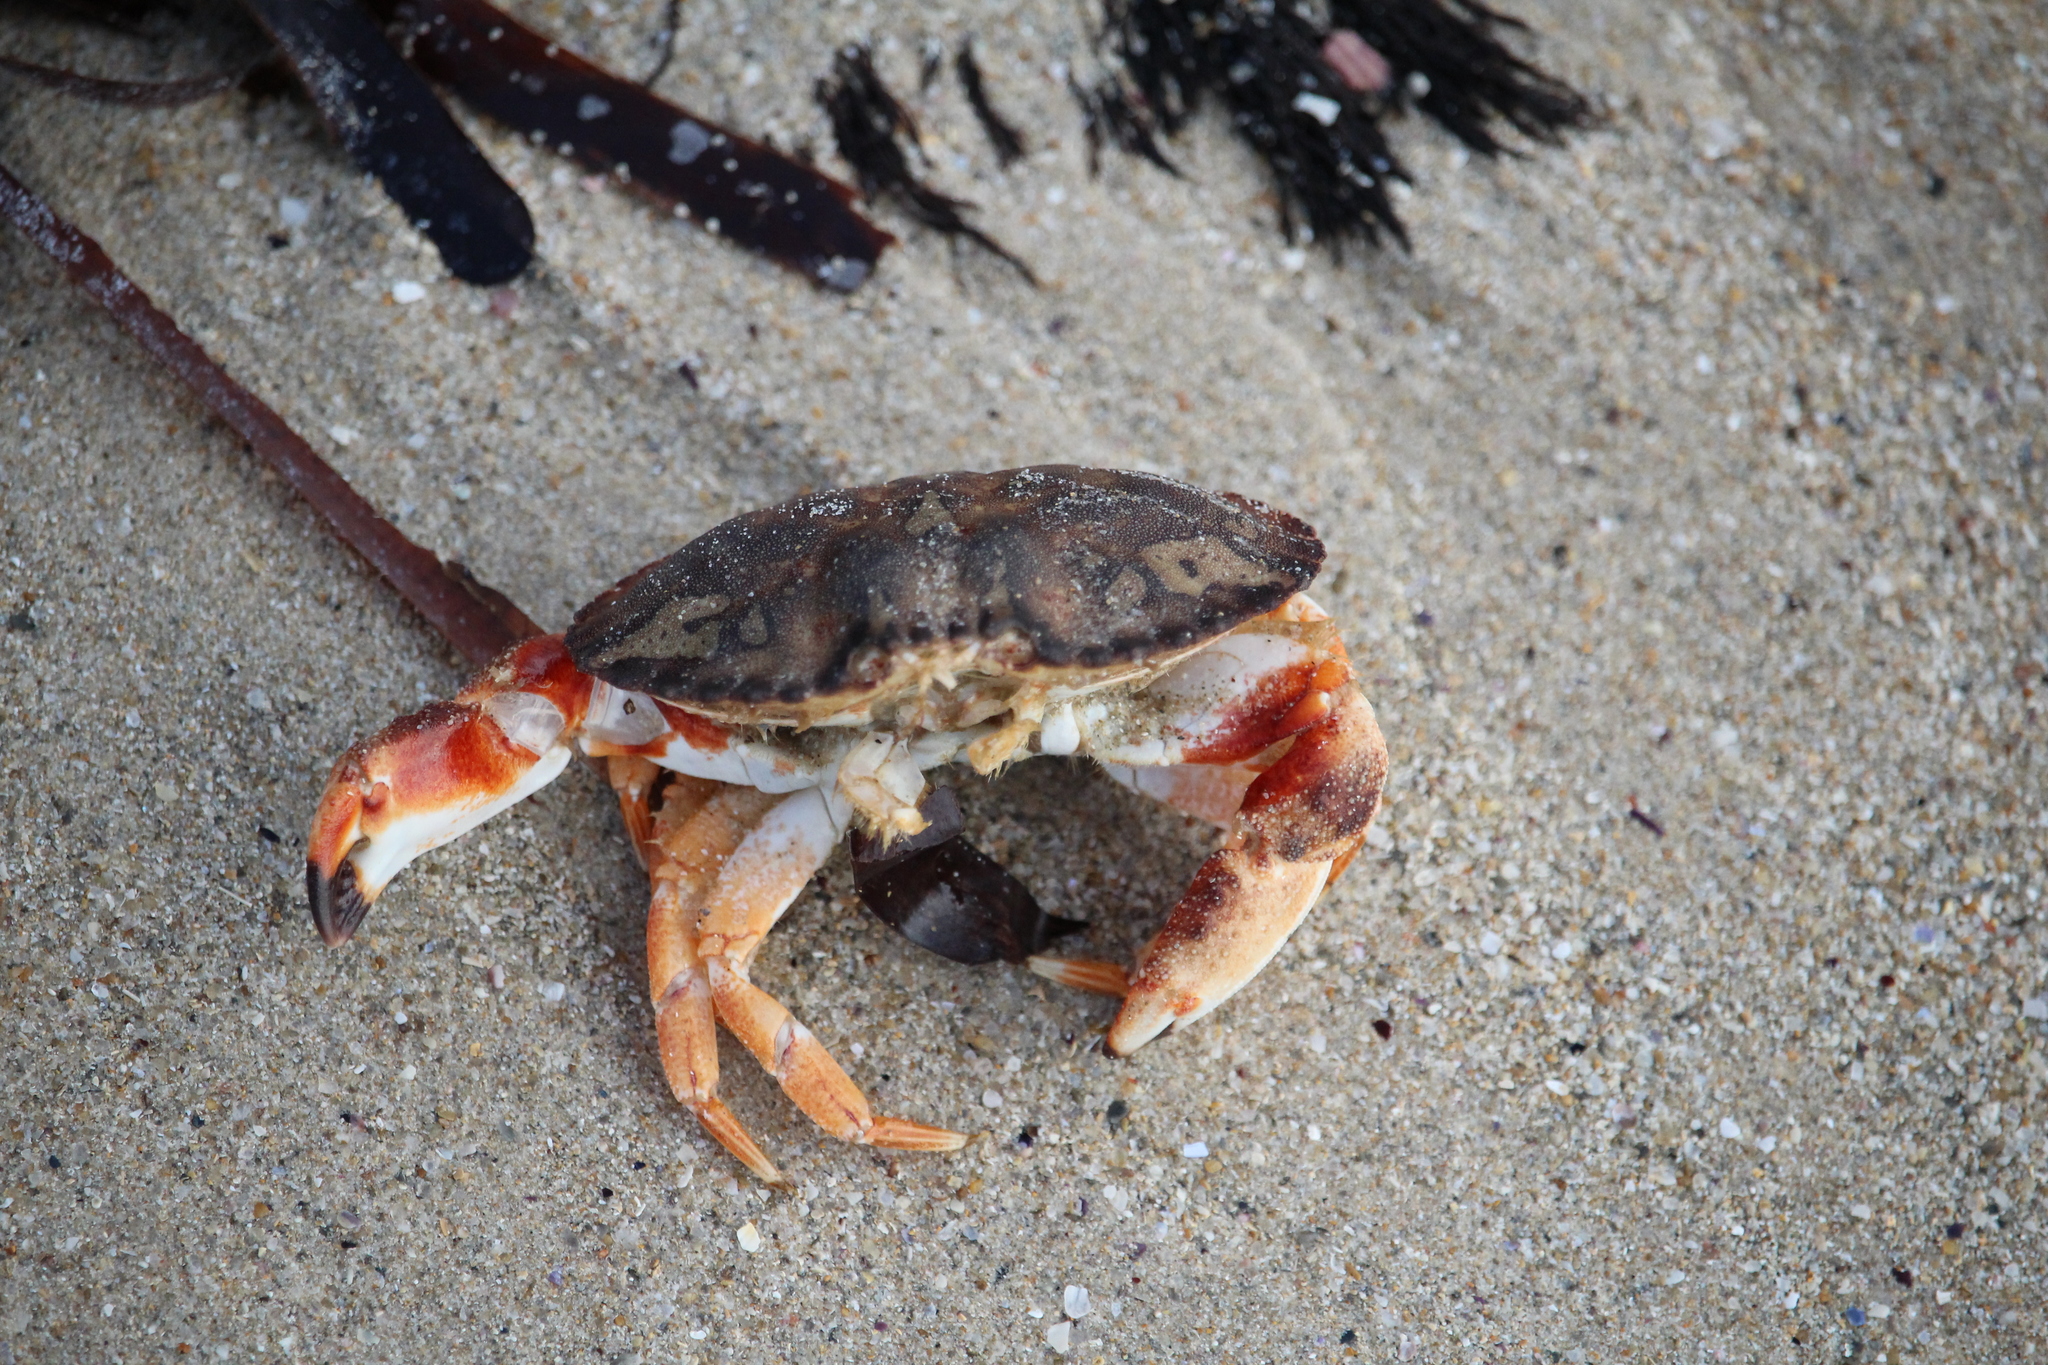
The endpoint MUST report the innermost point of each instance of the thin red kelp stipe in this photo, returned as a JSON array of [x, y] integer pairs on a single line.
[[478, 620]]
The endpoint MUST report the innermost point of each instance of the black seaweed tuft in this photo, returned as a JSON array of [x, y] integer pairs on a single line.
[[1469, 77], [1321, 138], [866, 123]]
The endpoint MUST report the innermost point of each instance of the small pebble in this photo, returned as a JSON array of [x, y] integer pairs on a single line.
[[1357, 63], [231, 181], [750, 1238], [1060, 1336], [552, 991], [1075, 1301], [1730, 1128], [991, 1099], [293, 213], [1195, 1151], [408, 291]]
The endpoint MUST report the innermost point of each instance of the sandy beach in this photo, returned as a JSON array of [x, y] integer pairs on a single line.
[[1684, 491]]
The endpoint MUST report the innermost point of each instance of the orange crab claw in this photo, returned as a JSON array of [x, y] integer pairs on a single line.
[[1294, 816], [432, 776], [1300, 823]]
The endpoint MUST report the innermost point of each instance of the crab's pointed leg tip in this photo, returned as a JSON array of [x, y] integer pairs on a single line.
[[732, 1135], [338, 902], [1082, 974], [906, 1135]]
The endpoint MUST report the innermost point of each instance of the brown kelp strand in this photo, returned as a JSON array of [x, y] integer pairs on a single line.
[[733, 186], [866, 122], [136, 94], [395, 129], [479, 621]]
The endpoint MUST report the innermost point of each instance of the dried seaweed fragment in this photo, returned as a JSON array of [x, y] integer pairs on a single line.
[[947, 896], [478, 620], [866, 121], [736, 187], [1002, 134], [395, 129]]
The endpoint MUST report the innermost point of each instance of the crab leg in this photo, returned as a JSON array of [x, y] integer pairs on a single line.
[[756, 884], [699, 825], [1298, 824], [434, 775]]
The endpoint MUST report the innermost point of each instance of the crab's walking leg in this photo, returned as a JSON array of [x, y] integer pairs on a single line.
[[434, 775], [764, 874], [633, 779], [699, 825]]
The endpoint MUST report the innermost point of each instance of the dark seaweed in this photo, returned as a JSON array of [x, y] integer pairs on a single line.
[[866, 122], [394, 128], [1470, 77], [734, 186], [1265, 65], [1002, 134], [665, 39], [945, 895], [1108, 115], [1321, 139]]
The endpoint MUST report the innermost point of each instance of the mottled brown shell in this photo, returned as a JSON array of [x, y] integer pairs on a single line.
[[1071, 567]]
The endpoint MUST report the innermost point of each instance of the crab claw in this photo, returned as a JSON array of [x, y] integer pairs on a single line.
[[1300, 823], [434, 775]]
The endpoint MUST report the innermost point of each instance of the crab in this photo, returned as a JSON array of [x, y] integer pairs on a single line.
[[791, 676]]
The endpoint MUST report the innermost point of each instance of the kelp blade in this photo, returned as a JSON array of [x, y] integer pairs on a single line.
[[733, 185]]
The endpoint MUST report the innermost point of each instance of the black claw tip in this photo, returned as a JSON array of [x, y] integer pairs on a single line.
[[338, 905]]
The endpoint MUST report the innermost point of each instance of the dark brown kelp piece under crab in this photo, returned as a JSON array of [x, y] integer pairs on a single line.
[[789, 678]]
